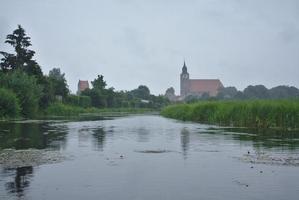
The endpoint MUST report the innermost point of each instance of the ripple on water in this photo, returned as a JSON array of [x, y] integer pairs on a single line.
[[154, 151]]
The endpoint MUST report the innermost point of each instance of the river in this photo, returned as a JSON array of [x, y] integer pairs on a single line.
[[147, 157]]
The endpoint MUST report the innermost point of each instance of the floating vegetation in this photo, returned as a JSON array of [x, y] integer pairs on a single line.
[[270, 159], [11, 158]]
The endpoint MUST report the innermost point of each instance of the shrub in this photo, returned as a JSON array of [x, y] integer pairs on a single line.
[[9, 106], [81, 101], [59, 109], [26, 89]]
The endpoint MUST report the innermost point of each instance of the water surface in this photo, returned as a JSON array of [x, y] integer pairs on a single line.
[[148, 157]]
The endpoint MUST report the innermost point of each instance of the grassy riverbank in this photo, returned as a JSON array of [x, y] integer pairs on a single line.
[[59, 109], [251, 113]]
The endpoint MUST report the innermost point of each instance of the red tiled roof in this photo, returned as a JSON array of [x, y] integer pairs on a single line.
[[205, 85]]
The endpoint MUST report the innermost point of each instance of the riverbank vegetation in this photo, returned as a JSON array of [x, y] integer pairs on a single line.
[[251, 92], [248, 113], [26, 92], [60, 109]]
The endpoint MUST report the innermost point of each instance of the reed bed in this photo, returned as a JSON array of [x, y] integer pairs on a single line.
[[251, 113]]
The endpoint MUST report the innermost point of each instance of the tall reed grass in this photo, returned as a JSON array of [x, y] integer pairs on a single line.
[[251, 113]]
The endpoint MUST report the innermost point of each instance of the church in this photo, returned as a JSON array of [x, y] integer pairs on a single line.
[[194, 87]]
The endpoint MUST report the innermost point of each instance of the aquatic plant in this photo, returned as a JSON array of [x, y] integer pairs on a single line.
[[250, 113]]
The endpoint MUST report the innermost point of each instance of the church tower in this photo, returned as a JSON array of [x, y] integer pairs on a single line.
[[184, 81]]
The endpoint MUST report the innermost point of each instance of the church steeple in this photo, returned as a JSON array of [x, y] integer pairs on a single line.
[[184, 69], [184, 81]]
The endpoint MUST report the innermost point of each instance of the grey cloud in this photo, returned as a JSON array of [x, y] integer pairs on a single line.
[[134, 42]]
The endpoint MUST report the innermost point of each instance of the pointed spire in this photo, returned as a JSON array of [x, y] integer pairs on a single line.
[[184, 67]]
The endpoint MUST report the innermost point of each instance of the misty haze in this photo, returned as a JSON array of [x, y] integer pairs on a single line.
[[160, 99]]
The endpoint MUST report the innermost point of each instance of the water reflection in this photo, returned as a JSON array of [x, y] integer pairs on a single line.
[[267, 139], [105, 174], [185, 140], [143, 134], [99, 136], [21, 181], [32, 135]]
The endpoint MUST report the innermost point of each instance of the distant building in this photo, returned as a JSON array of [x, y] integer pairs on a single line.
[[194, 87], [82, 85], [145, 101], [198, 87]]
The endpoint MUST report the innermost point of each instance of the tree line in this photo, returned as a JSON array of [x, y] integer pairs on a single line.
[[250, 92], [26, 91]]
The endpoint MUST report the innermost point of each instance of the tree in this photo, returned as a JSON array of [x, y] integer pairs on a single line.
[[227, 93], [170, 91], [59, 82], [282, 91], [158, 101], [23, 57], [26, 89], [110, 97], [170, 94], [48, 95], [9, 103], [141, 92], [97, 98], [99, 83], [98, 93], [256, 92]]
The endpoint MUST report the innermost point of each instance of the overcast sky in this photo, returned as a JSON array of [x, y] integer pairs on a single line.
[[133, 42]]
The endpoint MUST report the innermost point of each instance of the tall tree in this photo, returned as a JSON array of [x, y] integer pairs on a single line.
[[141, 92], [99, 83], [23, 57], [256, 92], [98, 93], [59, 82], [227, 93]]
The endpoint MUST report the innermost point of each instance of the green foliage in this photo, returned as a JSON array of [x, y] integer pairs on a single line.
[[21, 74], [141, 92], [259, 92], [137, 98], [282, 92], [26, 89], [59, 109], [98, 93], [255, 114], [82, 101], [9, 105], [99, 83], [227, 93], [58, 82], [48, 93], [179, 111], [256, 92], [23, 57], [98, 100]]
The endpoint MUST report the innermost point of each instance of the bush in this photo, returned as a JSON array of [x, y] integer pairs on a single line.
[[59, 109], [81, 101], [9, 106], [26, 88]]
